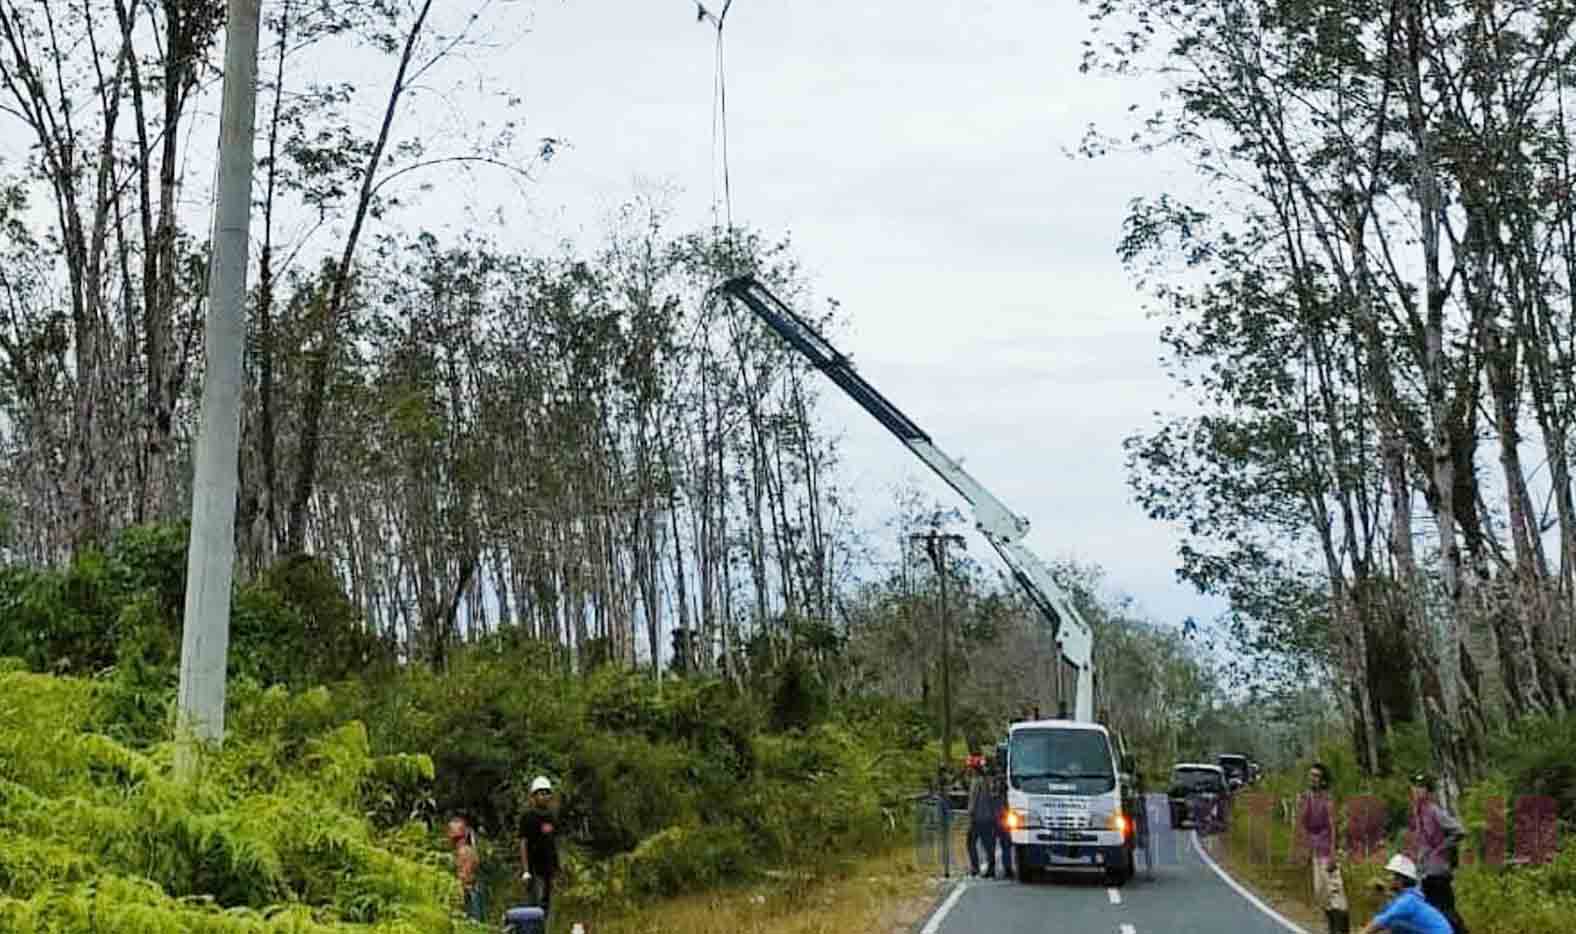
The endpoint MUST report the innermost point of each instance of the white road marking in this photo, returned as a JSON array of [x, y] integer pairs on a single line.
[[1114, 895], [934, 924], [1129, 929], [1237, 887]]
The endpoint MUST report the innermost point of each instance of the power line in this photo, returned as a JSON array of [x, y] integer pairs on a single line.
[[719, 118]]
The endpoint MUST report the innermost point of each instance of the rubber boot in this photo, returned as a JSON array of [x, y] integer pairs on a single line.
[[1340, 922]]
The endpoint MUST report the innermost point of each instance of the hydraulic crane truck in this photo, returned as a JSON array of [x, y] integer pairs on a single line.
[[1073, 800]]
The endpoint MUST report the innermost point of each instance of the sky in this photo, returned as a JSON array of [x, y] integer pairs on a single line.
[[917, 155]]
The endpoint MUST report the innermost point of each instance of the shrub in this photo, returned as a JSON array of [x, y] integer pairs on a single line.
[[1538, 756], [687, 858], [335, 762], [95, 835]]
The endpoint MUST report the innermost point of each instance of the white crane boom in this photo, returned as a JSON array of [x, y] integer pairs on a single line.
[[1003, 528]]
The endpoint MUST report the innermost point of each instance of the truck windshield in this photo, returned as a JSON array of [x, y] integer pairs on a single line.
[[1060, 761]]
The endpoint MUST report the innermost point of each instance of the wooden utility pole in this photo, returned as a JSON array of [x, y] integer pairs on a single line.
[[210, 557], [936, 546]]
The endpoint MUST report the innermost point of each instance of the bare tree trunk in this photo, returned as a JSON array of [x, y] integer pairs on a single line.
[[337, 304], [1446, 643]]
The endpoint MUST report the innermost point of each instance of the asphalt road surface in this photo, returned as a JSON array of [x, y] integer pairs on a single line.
[[1182, 895]]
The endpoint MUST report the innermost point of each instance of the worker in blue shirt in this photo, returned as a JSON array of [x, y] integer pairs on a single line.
[[1408, 912]]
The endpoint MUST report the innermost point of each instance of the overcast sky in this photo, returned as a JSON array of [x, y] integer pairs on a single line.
[[915, 153]]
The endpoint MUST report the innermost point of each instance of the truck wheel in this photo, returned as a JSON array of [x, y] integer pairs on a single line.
[[1020, 863]]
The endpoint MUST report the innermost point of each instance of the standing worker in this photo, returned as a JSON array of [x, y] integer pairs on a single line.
[[1316, 829], [539, 844], [1003, 835], [466, 866], [982, 822], [1436, 834]]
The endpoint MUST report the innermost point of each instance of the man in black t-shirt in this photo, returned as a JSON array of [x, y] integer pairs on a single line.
[[539, 844]]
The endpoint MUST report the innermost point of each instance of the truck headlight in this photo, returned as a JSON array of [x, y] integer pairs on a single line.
[[1119, 822]]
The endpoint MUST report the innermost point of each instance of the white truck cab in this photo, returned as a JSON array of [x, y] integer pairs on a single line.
[[1069, 803]]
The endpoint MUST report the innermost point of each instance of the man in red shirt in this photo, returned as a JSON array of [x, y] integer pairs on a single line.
[[1316, 830], [466, 864]]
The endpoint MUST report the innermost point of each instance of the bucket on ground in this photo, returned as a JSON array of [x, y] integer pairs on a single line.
[[525, 920]]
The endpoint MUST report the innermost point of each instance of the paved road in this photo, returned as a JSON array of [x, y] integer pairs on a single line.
[[1183, 896]]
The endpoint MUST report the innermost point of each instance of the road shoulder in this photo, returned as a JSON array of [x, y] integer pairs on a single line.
[[1276, 896], [946, 894]]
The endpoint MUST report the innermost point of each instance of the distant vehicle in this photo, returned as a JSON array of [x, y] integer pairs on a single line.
[[1236, 768], [1196, 788]]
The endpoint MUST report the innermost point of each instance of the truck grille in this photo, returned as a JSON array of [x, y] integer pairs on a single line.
[[1066, 814]]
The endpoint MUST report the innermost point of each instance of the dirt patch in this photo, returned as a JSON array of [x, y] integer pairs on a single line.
[[903, 915]]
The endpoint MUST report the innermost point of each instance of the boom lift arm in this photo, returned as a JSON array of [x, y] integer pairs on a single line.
[[1003, 528]]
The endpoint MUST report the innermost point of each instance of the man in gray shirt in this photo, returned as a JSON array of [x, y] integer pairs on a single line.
[[1436, 834], [983, 811]]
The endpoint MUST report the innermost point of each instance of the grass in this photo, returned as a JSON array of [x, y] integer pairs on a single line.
[[882, 894]]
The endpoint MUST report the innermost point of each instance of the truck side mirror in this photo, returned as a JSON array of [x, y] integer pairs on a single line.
[[1129, 764]]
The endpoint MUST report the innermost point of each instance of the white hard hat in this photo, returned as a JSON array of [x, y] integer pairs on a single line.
[[540, 783], [1402, 865]]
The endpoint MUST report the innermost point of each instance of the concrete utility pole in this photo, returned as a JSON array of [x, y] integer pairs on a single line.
[[936, 546], [210, 557]]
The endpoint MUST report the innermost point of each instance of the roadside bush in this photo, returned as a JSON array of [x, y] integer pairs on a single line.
[[95, 835], [72, 620], [122, 607], [687, 858], [338, 764], [798, 697], [1538, 756]]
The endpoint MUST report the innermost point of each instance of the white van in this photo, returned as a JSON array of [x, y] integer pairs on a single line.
[[1069, 803]]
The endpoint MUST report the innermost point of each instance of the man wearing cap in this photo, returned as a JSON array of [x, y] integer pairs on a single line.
[[539, 844], [1408, 912], [1435, 834]]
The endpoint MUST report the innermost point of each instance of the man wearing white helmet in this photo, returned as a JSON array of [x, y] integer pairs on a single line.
[[539, 844], [1408, 912]]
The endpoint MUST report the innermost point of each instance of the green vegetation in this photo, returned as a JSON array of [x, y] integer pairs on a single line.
[[1495, 893], [95, 835], [322, 810]]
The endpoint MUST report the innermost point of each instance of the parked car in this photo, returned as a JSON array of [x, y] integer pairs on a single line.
[[1235, 767], [1198, 793]]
